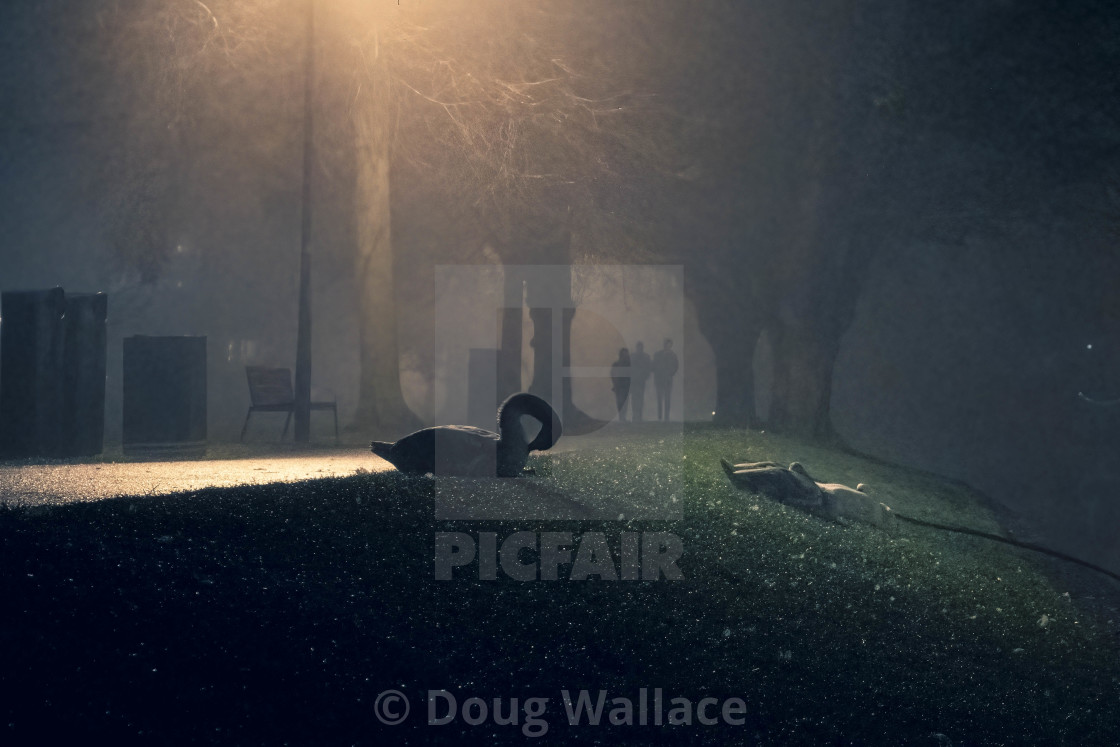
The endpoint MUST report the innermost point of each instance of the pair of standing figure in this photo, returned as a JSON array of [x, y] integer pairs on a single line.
[[629, 375]]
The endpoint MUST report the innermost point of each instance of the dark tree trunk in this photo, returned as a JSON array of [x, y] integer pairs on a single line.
[[381, 405], [541, 238], [727, 311], [735, 403], [542, 352], [509, 355], [802, 396]]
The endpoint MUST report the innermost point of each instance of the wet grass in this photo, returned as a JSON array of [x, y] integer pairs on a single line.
[[277, 614]]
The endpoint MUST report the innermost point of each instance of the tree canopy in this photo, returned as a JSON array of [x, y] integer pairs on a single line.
[[774, 148]]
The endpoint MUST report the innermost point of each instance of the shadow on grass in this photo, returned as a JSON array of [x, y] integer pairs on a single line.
[[278, 613]]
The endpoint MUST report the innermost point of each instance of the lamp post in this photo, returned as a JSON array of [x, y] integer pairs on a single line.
[[302, 432]]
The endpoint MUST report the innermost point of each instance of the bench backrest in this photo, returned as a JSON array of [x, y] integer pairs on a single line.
[[270, 386]]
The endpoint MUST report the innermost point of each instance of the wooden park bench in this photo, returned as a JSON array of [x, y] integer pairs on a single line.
[[270, 390]]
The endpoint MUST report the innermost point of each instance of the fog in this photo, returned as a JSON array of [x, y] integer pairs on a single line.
[[921, 203]]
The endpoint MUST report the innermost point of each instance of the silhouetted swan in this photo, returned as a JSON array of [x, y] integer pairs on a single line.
[[467, 451]]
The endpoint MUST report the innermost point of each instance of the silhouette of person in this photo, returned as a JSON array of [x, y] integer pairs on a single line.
[[640, 368], [620, 382], [665, 366]]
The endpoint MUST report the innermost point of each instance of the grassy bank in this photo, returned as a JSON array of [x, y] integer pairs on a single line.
[[273, 614]]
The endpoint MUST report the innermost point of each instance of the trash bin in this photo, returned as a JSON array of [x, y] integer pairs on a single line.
[[32, 346], [83, 386], [52, 373], [164, 396]]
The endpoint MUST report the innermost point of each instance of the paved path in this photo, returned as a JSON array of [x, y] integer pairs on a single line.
[[66, 483], [232, 464]]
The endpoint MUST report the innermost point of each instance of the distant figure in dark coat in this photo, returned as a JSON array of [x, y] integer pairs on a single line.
[[665, 366], [640, 368], [620, 382]]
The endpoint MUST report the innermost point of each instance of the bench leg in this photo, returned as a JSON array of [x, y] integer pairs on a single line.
[[335, 411], [246, 426], [287, 422]]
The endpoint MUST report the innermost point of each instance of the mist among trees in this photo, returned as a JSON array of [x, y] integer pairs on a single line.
[[778, 151]]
